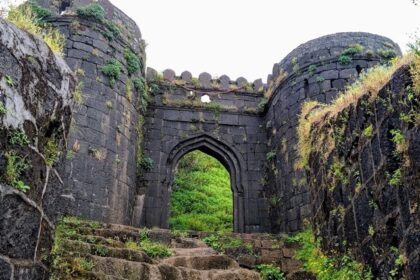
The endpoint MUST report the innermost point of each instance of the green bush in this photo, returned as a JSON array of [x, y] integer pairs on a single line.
[[133, 62], [387, 54], [112, 69], [92, 10], [113, 29], [270, 272], [201, 197], [323, 266], [147, 163], [18, 137], [41, 13], [344, 59], [221, 242], [14, 168]]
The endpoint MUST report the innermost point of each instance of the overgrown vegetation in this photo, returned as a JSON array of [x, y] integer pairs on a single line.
[[112, 69], [96, 11], [346, 56], [223, 243], [18, 137], [201, 198], [51, 152], [315, 113], [78, 96], [323, 266], [270, 272], [133, 62], [31, 18], [15, 167], [153, 249]]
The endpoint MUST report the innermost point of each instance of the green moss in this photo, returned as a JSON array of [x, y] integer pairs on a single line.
[[262, 104], [112, 69]]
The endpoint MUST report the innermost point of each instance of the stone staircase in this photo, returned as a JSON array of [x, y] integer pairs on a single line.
[[90, 250]]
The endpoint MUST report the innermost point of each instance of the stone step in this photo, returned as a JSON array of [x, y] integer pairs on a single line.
[[79, 248], [222, 262], [201, 251], [142, 271], [188, 243]]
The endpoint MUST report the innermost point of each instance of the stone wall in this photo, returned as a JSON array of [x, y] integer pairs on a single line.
[[228, 128], [365, 193], [35, 99], [313, 71], [101, 170]]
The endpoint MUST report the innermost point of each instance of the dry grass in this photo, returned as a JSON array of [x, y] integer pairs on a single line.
[[274, 84], [314, 113], [24, 18]]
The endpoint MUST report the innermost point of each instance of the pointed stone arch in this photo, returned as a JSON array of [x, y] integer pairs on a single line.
[[230, 159]]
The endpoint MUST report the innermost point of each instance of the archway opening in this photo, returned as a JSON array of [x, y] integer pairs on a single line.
[[201, 197]]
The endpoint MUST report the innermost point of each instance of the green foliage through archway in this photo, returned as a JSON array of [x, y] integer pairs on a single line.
[[201, 197]]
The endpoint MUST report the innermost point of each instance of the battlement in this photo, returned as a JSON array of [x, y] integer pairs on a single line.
[[206, 82]]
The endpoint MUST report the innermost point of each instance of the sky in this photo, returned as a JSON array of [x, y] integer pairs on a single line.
[[246, 37]]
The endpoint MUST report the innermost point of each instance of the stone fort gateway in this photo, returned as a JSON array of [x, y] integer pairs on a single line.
[[250, 127], [96, 134]]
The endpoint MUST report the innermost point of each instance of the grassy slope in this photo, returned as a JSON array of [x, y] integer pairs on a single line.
[[201, 198]]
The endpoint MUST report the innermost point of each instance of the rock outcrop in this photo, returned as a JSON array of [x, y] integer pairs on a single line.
[[35, 97]]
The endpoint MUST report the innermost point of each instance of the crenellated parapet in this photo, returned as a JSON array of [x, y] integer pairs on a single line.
[[206, 81]]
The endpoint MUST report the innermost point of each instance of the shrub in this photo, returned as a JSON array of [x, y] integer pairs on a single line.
[[368, 131], [133, 62], [270, 272], [18, 137], [112, 69], [92, 10], [14, 169], [271, 155], [147, 163], [154, 249], [324, 267], [113, 29], [51, 152], [40, 12], [344, 59], [387, 54], [25, 18], [223, 243], [312, 69]]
